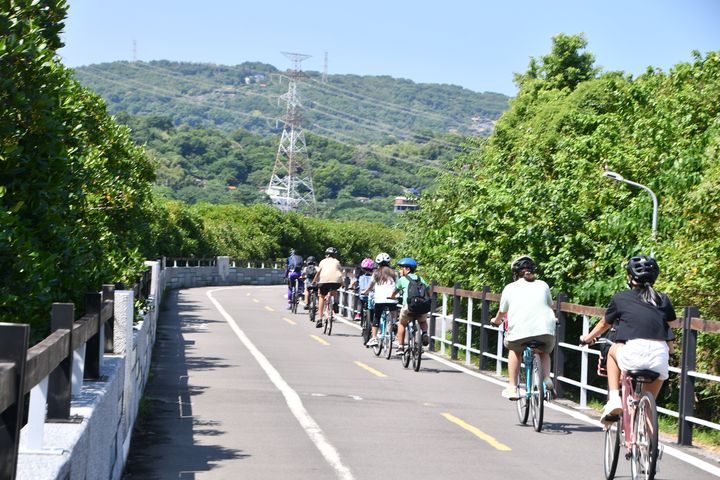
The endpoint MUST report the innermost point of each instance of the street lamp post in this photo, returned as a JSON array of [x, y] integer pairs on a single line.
[[620, 178]]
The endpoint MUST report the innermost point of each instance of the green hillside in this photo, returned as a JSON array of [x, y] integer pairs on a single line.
[[349, 108]]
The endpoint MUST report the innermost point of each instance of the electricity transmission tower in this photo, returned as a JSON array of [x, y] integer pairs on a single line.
[[291, 186]]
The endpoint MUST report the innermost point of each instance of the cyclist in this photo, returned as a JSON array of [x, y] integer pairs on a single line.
[[643, 337], [361, 283], [308, 273], [383, 285], [527, 307], [329, 276], [407, 271], [293, 271]]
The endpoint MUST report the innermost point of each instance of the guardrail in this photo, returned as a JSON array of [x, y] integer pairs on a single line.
[[53, 370], [460, 322]]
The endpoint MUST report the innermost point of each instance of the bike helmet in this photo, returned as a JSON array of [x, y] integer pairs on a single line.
[[311, 261], [382, 259], [367, 264], [522, 263], [331, 251], [643, 269], [408, 262]]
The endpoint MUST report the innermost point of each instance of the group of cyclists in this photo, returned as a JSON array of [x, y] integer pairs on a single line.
[[639, 316], [376, 282]]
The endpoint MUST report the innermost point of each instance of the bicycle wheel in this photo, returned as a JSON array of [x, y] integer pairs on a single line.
[[378, 347], [612, 449], [294, 300], [312, 311], [537, 393], [417, 348], [327, 309], [645, 439], [366, 327], [388, 337], [407, 354], [523, 403]]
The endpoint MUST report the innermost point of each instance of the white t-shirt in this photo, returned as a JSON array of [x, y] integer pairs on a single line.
[[383, 291], [529, 309]]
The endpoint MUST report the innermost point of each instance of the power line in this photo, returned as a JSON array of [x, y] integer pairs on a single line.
[[171, 94]]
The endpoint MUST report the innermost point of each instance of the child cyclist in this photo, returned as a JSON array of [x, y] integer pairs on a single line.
[[383, 284], [407, 268], [308, 274], [361, 283], [526, 303]]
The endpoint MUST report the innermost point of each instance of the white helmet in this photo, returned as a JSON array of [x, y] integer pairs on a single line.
[[382, 259]]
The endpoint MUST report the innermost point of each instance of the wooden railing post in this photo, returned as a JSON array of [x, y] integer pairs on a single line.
[[559, 362], [60, 382], [108, 293], [455, 324], [485, 321], [687, 382], [95, 346], [433, 309], [13, 350]]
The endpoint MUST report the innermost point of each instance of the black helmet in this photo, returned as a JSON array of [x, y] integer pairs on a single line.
[[311, 261], [522, 263], [332, 251], [643, 269]]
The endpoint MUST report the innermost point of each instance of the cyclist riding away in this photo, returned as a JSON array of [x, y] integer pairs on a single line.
[[308, 274], [293, 271], [329, 276], [643, 339], [383, 284], [361, 283], [526, 305], [415, 301]]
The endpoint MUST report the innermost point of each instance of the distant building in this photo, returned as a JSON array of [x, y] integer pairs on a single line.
[[403, 204]]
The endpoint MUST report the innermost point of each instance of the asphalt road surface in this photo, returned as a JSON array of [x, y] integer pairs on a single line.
[[241, 388]]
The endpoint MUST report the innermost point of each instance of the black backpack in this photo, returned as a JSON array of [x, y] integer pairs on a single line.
[[418, 298]]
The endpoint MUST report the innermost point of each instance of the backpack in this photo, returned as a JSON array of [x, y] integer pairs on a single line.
[[295, 263], [418, 298]]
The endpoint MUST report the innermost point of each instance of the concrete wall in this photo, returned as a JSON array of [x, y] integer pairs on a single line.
[[222, 273], [96, 444]]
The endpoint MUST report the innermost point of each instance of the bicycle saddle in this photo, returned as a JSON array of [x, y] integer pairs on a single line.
[[643, 376]]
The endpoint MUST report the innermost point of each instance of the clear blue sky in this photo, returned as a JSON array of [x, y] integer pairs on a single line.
[[476, 44]]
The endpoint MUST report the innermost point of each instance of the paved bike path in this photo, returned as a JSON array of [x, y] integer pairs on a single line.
[[241, 388]]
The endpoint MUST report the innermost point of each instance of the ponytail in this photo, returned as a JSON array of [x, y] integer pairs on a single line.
[[647, 293]]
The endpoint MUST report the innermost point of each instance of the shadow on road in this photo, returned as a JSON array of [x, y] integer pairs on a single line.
[[163, 443]]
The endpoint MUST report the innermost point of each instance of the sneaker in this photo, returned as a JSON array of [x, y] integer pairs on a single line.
[[289, 307], [336, 308], [319, 324], [511, 393], [357, 317], [372, 342], [612, 409], [425, 339], [306, 307], [549, 385]]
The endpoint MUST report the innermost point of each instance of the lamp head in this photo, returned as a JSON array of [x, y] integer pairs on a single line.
[[613, 175]]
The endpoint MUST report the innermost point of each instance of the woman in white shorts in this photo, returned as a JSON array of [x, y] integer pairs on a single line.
[[640, 316]]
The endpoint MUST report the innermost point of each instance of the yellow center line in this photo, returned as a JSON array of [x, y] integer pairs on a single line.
[[477, 432], [256, 300], [291, 322], [370, 369], [319, 340], [269, 309]]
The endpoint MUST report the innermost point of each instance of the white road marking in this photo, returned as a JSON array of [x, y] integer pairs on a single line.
[[292, 399]]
